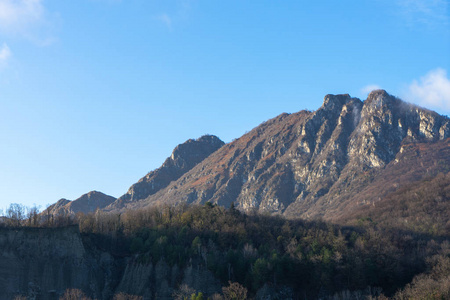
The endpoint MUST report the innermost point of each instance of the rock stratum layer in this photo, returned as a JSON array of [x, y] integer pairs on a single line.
[[42, 263]]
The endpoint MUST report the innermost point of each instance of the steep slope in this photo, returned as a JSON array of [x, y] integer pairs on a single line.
[[415, 166], [184, 157], [422, 207], [87, 203], [308, 164]]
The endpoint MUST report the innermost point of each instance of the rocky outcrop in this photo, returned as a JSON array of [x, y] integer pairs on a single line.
[[160, 280], [32, 263], [184, 157], [87, 203], [308, 164]]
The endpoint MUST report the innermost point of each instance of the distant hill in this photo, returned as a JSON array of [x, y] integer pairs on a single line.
[[87, 203]]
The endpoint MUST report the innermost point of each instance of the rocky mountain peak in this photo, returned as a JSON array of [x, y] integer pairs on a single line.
[[304, 164], [192, 151], [183, 158], [379, 103], [335, 102], [93, 197], [62, 202], [377, 94]]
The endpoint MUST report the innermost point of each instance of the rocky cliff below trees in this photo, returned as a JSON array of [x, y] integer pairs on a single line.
[[41, 263]]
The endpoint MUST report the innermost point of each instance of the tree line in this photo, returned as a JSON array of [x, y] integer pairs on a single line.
[[293, 258]]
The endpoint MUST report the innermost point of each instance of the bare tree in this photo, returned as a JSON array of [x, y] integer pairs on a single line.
[[15, 214], [183, 293], [33, 216], [48, 216], [74, 294], [123, 296], [234, 291]]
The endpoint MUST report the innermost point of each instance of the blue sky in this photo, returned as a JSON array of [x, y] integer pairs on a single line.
[[96, 93]]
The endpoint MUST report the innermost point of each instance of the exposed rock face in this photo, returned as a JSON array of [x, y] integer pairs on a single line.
[[87, 203], [162, 280], [31, 264], [184, 157], [41, 263], [308, 164]]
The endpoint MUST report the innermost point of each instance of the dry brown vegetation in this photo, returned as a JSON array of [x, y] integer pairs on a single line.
[[422, 206]]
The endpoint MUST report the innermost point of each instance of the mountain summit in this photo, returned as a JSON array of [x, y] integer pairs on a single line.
[[184, 157], [305, 164]]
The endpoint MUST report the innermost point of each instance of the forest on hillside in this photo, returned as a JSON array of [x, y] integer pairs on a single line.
[[288, 259]]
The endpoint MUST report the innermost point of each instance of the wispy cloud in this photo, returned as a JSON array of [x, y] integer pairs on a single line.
[[27, 19], [432, 90], [424, 12], [17, 15], [368, 88], [5, 54]]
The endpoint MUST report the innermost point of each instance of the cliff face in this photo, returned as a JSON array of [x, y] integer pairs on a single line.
[[310, 164], [43, 263], [37, 261]]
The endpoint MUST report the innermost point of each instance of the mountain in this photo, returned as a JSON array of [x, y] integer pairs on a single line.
[[322, 164], [87, 203], [380, 164], [184, 157]]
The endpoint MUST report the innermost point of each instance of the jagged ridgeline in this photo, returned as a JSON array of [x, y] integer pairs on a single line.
[[325, 163], [329, 164]]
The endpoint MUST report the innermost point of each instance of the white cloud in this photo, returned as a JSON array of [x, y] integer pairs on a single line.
[[424, 12], [431, 91], [16, 16], [27, 19], [368, 88], [5, 54]]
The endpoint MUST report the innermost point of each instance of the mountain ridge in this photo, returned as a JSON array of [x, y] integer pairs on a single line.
[[294, 164], [183, 158], [308, 164]]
